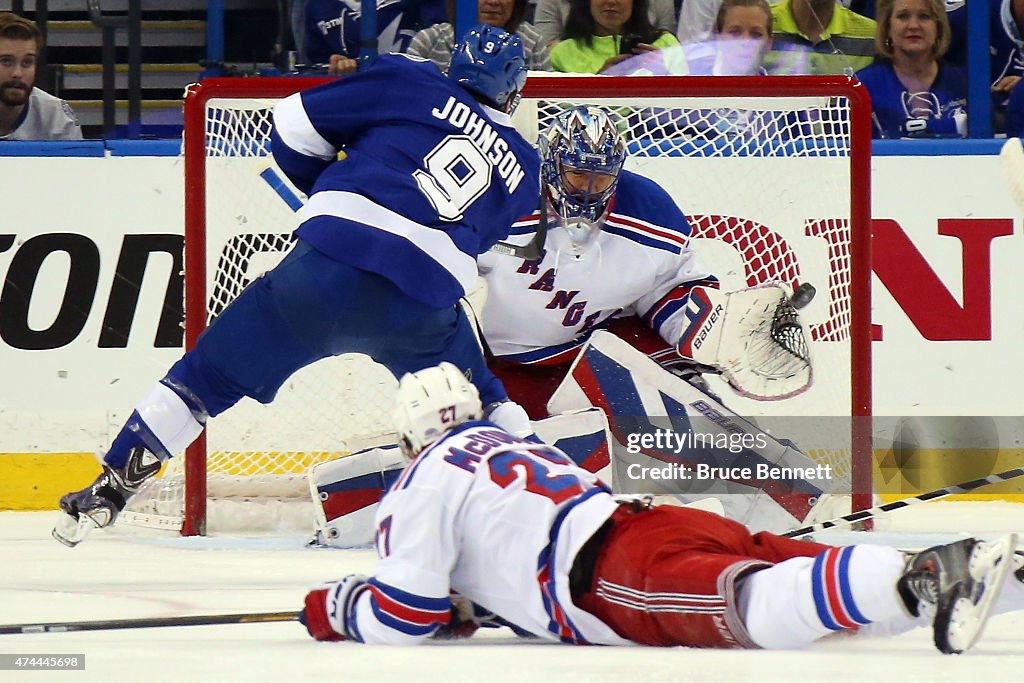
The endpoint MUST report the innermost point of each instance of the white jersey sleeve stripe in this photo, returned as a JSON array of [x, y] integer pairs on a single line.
[[413, 615], [646, 233], [295, 130], [434, 243]]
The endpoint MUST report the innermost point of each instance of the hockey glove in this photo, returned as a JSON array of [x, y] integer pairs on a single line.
[[329, 607]]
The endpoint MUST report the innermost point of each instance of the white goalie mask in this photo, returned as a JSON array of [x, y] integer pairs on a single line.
[[431, 402], [582, 154]]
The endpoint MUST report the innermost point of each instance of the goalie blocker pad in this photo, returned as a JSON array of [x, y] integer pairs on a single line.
[[640, 399], [754, 336], [346, 491]]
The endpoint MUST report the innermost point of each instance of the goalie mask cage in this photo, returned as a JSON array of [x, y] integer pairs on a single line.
[[773, 173]]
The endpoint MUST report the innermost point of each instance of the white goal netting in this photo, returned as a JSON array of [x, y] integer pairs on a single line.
[[768, 176]]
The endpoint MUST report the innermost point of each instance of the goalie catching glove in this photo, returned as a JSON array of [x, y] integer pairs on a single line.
[[753, 336]]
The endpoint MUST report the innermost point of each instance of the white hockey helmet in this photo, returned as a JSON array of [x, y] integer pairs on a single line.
[[430, 402]]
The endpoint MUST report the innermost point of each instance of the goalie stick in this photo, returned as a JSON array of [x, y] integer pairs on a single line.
[[873, 512], [154, 622]]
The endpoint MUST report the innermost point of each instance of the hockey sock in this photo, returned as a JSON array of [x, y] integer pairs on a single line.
[[164, 422], [802, 599]]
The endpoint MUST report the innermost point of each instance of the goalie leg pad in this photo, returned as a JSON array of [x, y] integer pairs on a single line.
[[640, 398], [583, 435], [346, 493]]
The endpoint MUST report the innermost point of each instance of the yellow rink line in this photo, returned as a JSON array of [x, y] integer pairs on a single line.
[[35, 481]]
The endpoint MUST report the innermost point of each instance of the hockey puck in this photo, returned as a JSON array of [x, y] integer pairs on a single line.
[[802, 295]]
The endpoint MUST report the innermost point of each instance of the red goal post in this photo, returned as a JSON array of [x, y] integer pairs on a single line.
[[796, 129]]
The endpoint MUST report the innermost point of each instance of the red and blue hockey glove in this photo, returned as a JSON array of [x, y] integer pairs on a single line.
[[328, 608]]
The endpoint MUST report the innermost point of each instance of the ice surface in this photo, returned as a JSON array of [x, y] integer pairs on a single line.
[[114, 575]]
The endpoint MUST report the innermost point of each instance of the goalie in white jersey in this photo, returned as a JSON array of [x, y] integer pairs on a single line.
[[519, 531], [613, 246]]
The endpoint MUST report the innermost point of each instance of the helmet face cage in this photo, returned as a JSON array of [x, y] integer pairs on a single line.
[[585, 139], [489, 62], [431, 402]]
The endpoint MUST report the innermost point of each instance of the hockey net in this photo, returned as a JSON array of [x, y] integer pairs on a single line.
[[772, 172]]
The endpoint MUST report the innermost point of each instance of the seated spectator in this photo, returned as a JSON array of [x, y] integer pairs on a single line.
[[550, 17], [332, 29], [743, 32], [26, 112], [1006, 44], [1006, 36], [913, 93], [435, 42], [697, 20], [1015, 113], [601, 33], [742, 38], [819, 37]]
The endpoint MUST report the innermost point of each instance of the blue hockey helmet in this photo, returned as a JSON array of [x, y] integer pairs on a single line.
[[582, 155], [489, 62]]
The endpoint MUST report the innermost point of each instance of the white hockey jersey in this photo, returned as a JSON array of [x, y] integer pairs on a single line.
[[45, 117], [640, 263], [493, 518]]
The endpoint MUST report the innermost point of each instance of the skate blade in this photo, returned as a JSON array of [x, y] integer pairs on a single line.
[[71, 531], [988, 565]]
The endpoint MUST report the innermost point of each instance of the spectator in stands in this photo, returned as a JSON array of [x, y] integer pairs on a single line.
[[819, 37], [602, 33], [26, 112], [1006, 35], [742, 38], [297, 23], [697, 20], [1015, 113], [913, 93], [332, 29], [435, 42], [1006, 46], [743, 34], [550, 17]]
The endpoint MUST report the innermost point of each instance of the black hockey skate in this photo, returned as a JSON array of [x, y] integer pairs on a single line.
[[959, 583], [99, 504]]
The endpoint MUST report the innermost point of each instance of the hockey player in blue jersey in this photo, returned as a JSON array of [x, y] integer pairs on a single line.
[[386, 247]]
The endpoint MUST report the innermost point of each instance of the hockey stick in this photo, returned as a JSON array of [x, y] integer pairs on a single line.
[[871, 513], [154, 622], [1012, 157], [534, 250]]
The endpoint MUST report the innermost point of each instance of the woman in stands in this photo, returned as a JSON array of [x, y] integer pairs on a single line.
[[435, 42], [741, 39], [601, 33], [913, 93]]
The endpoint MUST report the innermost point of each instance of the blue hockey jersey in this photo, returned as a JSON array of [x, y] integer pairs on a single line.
[[427, 180], [332, 26], [892, 105]]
